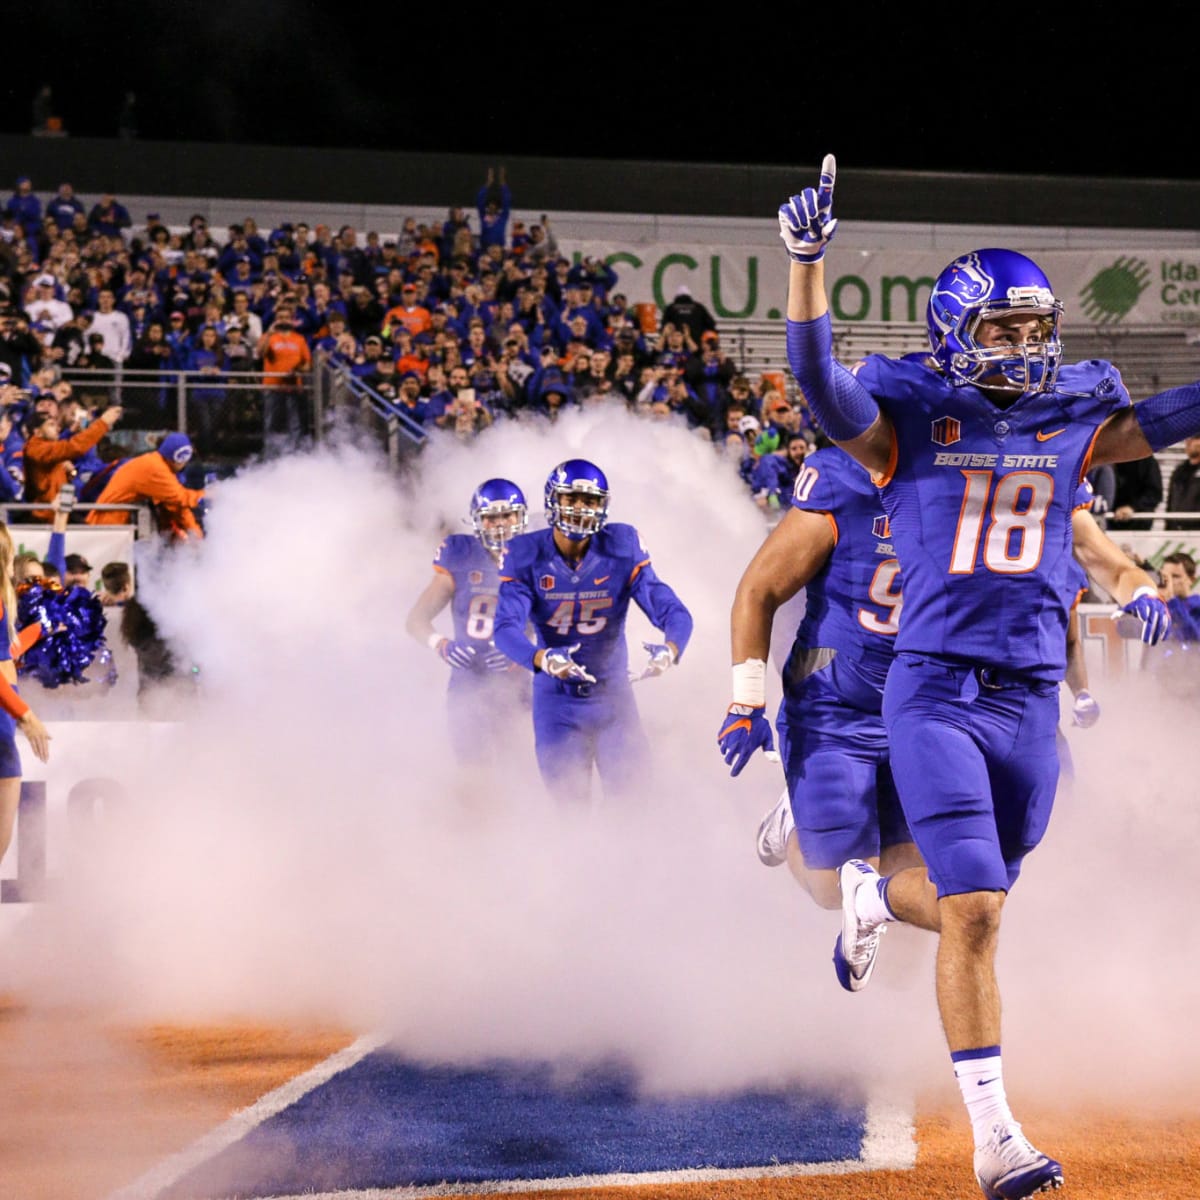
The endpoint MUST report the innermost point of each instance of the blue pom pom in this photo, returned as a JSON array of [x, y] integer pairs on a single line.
[[73, 623]]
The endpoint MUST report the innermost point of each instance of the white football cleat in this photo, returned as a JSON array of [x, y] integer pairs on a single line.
[[857, 945], [1007, 1167], [773, 832]]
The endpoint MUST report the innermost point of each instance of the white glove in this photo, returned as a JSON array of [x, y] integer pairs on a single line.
[[806, 221], [661, 659], [561, 665], [1086, 711]]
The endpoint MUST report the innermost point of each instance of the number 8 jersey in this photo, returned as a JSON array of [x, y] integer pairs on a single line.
[[979, 500], [476, 594]]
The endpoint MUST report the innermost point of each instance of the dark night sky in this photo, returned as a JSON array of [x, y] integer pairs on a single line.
[[980, 90]]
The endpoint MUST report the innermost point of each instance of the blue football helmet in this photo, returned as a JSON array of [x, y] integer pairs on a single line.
[[577, 477], [498, 498], [980, 286]]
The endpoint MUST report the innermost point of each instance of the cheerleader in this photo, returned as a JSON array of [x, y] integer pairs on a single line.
[[14, 712]]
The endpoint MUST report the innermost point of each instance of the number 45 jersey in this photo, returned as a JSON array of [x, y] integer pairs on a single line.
[[585, 602], [979, 500]]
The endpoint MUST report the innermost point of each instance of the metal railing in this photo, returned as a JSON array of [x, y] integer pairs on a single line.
[[143, 520], [384, 420], [231, 416]]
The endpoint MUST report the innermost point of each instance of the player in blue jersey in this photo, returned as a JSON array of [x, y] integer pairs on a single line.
[[484, 686], [573, 582], [977, 456], [840, 801]]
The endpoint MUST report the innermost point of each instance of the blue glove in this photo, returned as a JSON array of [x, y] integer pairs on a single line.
[[806, 221], [744, 730], [1153, 614], [662, 658], [560, 663], [496, 660], [458, 654], [1086, 711]]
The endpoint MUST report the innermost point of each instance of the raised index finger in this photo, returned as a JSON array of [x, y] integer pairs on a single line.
[[828, 175]]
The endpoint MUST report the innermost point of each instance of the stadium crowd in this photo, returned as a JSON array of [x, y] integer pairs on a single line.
[[457, 325]]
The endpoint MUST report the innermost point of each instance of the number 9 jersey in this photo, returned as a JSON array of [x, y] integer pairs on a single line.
[[979, 499], [853, 604]]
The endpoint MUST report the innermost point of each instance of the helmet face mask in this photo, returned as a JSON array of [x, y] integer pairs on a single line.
[[498, 513], [577, 499], [989, 286]]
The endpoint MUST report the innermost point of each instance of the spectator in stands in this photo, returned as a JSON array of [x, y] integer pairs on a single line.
[[25, 207], [112, 325], [710, 373], [12, 461], [45, 306], [1139, 489], [116, 584], [467, 417], [94, 358], [206, 400], [63, 206], [109, 217], [686, 313], [494, 204], [74, 417], [153, 477], [19, 348], [78, 572], [1183, 490], [242, 314], [49, 460], [775, 473], [286, 359]]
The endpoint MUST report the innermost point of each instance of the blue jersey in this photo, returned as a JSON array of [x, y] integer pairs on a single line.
[[476, 591], [853, 603], [980, 500], [585, 602]]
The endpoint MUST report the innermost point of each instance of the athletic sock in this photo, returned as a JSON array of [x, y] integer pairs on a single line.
[[981, 1082], [871, 906]]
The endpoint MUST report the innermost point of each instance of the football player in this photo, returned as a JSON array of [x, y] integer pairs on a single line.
[[840, 801], [977, 456], [573, 582], [484, 685]]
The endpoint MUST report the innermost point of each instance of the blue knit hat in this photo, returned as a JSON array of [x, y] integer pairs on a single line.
[[176, 448]]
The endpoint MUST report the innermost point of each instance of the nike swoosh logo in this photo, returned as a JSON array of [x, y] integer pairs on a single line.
[[981, 1082], [602, 579], [1045, 437]]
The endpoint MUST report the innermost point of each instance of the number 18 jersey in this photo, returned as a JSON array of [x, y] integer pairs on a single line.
[[979, 501]]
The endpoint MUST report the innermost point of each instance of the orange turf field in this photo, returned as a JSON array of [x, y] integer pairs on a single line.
[[86, 1107]]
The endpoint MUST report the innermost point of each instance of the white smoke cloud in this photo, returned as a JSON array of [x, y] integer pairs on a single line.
[[303, 845]]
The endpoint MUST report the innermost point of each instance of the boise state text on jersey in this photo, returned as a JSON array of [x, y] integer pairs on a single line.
[[584, 603], [980, 500]]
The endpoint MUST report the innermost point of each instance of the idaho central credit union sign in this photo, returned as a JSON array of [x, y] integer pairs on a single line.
[[749, 282]]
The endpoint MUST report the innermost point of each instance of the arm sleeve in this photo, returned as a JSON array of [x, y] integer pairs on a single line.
[[56, 552], [664, 608], [26, 638], [1170, 416], [512, 615], [842, 406], [10, 701]]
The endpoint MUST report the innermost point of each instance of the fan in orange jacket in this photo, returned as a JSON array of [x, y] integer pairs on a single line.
[[153, 476], [48, 457]]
